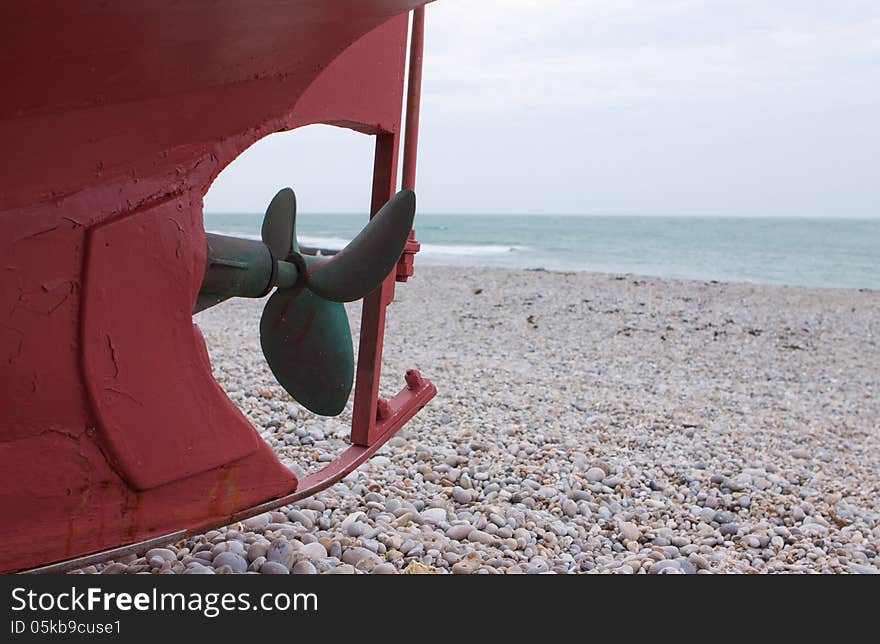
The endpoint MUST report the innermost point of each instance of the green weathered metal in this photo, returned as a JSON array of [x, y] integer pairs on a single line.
[[304, 330], [307, 344], [235, 268], [279, 224], [367, 260]]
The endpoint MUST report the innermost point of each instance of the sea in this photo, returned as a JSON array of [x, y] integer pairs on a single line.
[[833, 253]]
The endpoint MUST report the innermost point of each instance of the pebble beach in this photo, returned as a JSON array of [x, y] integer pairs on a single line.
[[584, 423]]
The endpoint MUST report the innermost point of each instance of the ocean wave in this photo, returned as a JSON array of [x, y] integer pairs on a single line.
[[338, 243], [234, 233], [470, 249], [330, 243]]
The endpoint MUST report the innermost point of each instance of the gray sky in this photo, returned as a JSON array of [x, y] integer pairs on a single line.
[[728, 107]]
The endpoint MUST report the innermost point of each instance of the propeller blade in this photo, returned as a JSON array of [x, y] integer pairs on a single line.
[[279, 224], [307, 342], [359, 268]]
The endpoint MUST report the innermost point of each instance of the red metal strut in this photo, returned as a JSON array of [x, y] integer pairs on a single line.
[[411, 142], [373, 417]]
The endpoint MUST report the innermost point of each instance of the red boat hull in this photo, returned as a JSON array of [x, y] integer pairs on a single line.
[[115, 121]]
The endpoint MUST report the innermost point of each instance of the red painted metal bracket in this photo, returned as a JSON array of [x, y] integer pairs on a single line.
[[411, 142]]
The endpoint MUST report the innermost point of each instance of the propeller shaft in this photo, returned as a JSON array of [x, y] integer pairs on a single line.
[[241, 268]]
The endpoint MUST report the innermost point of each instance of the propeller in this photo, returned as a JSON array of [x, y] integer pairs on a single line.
[[304, 329]]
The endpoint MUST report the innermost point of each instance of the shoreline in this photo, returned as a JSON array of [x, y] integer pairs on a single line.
[[644, 276]]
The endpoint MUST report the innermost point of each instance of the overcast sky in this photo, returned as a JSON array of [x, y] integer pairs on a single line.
[[691, 107]]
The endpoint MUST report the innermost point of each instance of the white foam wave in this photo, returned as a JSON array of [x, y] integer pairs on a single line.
[[233, 233], [475, 249], [337, 243], [330, 243]]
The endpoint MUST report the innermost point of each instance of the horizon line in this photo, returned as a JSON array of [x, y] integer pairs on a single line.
[[598, 215]]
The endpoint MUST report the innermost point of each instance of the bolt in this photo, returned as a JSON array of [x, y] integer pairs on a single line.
[[383, 409], [413, 379]]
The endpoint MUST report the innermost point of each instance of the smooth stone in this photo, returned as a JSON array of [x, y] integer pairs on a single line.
[[304, 568], [313, 551], [459, 532], [629, 531], [699, 561], [114, 569], [406, 517], [236, 547], [595, 474], [257, 549], [356, 529], [478, 536], [234, 561], [351, 520], [281, 552], [433, 516], [296, 516], [385, 569], [537, 566], [258, 522], [355, 556], [464, 567], [297, 470], [861, 569], [663, 565], [461, 495], [164, 553], [729, 529], [706, 514], [273, 568]]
